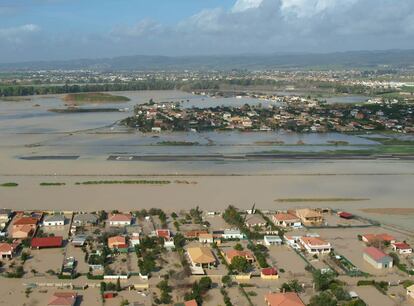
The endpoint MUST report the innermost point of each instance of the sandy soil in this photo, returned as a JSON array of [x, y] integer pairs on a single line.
[[389, 211]]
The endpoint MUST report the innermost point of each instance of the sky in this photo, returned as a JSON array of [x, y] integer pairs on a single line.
[[69, 29]]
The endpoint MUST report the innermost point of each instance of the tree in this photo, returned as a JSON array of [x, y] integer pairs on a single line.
[[179, 241], [292, 286], [238, 247], [118, 285], [240, 264], [322, 280], [205, 284], [323, 299], [226, 280]]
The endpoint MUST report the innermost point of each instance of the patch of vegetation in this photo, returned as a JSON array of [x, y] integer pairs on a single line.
[[93, 97], [52, 184], [143, 182], [9, 184], [177, 143]]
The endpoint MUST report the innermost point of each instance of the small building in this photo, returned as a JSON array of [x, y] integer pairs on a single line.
[[24, 227], [119, 219], [8, 250], [272, 240], [134, 239], [269, 273], [231, 254], [54, 220], [315, 245], [46, 242], [163, 233], [194, 234], [283, 299], [286, 220], [205, 238], [63, 299], [255, 220], [377, 258], [402, 248], [233, 234], [169, 244], [410, 291], [345, 215], [201, 257], [117, 242], [85, 219], [5, 215], [79, 240], [309, 216], [384, 238]]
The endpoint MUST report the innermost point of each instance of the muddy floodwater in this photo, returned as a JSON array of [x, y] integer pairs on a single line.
[[37, 146]]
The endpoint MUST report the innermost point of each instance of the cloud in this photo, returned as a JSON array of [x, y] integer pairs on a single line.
[[242, 5], [17, 34]]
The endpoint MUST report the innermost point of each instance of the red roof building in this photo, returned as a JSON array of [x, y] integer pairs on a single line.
[[63, 299], [283, 299], [402, 248], [25, 221], [345, 215], [191, 303], [46, 242], [163, 233], [377, 258]]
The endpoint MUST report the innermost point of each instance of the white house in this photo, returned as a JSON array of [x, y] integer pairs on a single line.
[[402, 248], [315, 245], [120, 219], [233, 234], [377, 258], [54, 220], [205, 238], [272, 240], [134, 239], [287, 220]]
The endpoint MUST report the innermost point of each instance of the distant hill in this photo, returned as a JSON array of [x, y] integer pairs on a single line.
[[351, 59]]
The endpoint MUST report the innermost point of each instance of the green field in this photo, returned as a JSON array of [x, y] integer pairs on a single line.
[[93, 97]]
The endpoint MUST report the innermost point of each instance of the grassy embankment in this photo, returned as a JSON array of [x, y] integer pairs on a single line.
[[9, 184], [142, 182], [93, 97], [52, 184]]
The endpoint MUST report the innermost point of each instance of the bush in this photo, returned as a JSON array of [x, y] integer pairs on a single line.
[[10, 184]]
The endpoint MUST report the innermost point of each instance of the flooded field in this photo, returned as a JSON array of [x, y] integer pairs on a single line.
[[37, 146]]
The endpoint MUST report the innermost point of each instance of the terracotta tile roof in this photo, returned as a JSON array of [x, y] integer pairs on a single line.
[[26, 221], [269, 271], [47, 242], [6, 248], [375, 253], [314, 241], [63, 299], [116, 241], [230, 254], [283, 299], [191, 303], [120, 218], [402, 246], [163, 233]]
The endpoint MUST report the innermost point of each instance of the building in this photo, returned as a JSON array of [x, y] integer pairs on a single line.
[[269, 273], [63, 299], [309, 216], [5, 215], [255, 220], [194, 234], [377, 258], [283, 299], [120, 219], [134, 239], [46, 242], [287, 220], [54, 220], [24, 227], [231, 254], [383, 238], [410, 291], [205, 238], [85, 219], [201, 257], [163, 233], [79, 240], [345, 215], [272, 240], [402, 248], [8, 250], [315, 245], [233, 234], [117, 242]]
